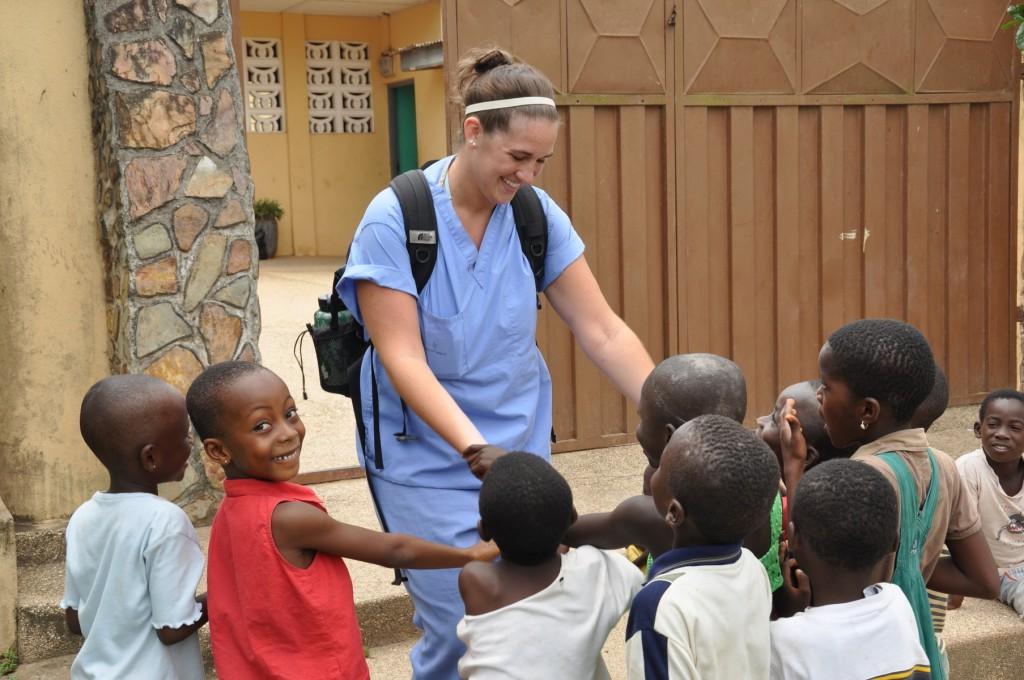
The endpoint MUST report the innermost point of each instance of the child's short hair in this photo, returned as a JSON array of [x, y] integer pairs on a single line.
[[203, 398], [685, 386], [935, 404], [847, 513], [723, 475], [885, 359], [525, 507], [998, 394], [117, 406]]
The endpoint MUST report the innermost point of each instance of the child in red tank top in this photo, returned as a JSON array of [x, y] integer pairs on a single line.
[[280, 597]]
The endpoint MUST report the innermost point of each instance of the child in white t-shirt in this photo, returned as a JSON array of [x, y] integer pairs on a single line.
[[133, 560], [536, 612], [843, 526], [994, 475]]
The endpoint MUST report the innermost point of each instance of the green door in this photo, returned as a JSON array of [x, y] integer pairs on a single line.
[[404, 155]]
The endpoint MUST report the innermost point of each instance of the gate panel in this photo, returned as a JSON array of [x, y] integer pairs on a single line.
[[609, 61], [772, 170], [613, 189], [809, 220]]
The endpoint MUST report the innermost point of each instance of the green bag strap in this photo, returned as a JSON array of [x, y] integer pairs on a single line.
[[770, 559], [915, 523]]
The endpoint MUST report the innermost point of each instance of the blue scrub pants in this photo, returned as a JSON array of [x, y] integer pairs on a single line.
[[446, 516]]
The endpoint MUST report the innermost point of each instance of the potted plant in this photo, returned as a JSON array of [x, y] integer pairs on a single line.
[[267, 212]]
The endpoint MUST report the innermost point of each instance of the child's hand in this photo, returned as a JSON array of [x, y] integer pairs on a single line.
[[484, 551], [954, 602], [480, 458], [794, 447], [791, 436], [796, 587]]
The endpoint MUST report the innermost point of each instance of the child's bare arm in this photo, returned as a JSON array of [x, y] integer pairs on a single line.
[[300, 526], [794, 447], [476, 586], [635, 520], [970, 569], [172, 636], [71, 619]]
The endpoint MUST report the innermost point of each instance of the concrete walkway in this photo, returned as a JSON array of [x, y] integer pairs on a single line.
[[288, 288]]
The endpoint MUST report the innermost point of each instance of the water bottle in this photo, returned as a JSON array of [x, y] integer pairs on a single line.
[[322, 316]]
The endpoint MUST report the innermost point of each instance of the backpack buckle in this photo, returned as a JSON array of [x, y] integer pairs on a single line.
[[422, 255]]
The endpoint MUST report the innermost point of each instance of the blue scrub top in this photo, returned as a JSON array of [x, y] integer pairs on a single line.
[[478, 321]]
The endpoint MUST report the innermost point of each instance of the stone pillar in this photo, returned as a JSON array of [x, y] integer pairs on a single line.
[[175, 196]]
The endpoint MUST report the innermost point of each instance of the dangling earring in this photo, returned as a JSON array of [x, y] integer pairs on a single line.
[[472, 143], [863, 426]]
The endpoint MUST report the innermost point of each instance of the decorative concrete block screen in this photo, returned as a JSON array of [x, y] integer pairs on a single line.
[[338, 81], [175, 196], [264, 105]]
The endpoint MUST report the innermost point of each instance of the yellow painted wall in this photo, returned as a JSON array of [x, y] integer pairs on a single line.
[[53, 327], [268, 153], [349, 169], [324, 182], [420, 24]]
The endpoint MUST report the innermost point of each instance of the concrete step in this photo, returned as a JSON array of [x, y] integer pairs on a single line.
[[983, 641], [39, 542], [42, 632]]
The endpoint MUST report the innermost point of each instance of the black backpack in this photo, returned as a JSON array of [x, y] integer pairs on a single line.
[[340, 348]]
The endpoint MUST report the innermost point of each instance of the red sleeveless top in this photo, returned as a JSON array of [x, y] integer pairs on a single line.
[[269, 618]]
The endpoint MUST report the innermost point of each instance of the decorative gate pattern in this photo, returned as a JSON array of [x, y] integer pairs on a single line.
[[750, 175]]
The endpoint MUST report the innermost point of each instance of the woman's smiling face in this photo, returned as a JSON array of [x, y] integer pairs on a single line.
[[503, 161]]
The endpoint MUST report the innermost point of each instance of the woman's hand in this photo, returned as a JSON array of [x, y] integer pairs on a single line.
[[480, 458]]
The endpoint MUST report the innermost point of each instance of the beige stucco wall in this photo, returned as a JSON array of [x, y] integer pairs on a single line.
[[53, 333]]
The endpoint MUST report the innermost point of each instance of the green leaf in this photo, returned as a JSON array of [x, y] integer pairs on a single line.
[[1019, 38], [1009, 24]]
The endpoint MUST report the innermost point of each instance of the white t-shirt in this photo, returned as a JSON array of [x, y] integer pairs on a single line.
[[133, 564], [703, 615], [875, 637], [1002, 516], [557, 632]]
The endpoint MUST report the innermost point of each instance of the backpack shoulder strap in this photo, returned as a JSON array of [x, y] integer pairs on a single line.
[[532, 226], [413, 192]]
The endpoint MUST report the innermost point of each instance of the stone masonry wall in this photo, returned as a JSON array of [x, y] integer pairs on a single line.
[[175, 196]]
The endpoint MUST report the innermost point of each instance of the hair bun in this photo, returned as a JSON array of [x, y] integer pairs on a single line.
[[490, 60]]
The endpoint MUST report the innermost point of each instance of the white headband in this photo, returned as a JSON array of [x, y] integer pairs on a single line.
[[509, 103]]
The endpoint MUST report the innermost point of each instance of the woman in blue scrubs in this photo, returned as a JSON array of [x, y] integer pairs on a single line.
[[462, 353]]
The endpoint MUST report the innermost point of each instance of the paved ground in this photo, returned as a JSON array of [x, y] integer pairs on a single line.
[[288, 289]]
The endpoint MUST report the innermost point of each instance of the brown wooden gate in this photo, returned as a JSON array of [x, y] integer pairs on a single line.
[[748, 175]]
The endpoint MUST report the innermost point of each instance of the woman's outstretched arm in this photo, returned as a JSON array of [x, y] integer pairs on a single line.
[[604, 336]]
